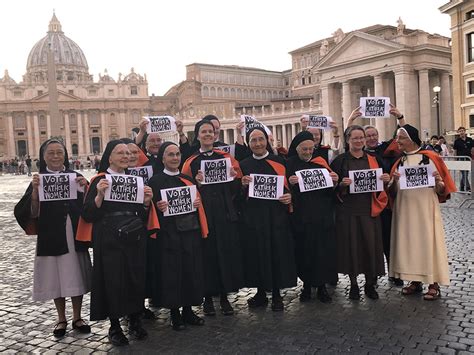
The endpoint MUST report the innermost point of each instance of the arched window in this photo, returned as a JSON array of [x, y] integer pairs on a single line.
[[219, 92], [205, 91], [95, 144], [75, 149], [213, 92]]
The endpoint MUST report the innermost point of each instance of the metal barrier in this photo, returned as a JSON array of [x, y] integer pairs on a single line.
[[456, 165]]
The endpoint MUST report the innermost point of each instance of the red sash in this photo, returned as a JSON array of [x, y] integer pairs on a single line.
[[186, 170]]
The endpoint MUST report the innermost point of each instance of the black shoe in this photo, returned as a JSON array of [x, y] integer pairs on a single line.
[[148, 314], [354, 293], [189, 317], [305, 295], [60, 332], [257, 301], [177, 322], [371, 292], [277, 304], [323, 295], [137, 331], [226, 307], [116, 337], [396, 281], [208, 307], [83, 328]]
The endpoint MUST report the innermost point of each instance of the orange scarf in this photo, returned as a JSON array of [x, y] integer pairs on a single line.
[[281, 170], [201, 212], [379, 199], [186, 170], [449, 185], [84, 229]]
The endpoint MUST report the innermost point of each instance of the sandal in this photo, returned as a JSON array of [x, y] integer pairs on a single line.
[[433, 293], [60, 332], [412, 288]]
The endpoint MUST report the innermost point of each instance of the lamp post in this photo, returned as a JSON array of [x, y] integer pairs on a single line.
[[436, 90]]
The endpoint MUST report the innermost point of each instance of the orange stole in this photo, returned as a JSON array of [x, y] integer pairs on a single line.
[[186, 170], [321, 161], [201, 212], [379, 200], [142, 158], [281, 170], [449, 185], [84, 229]]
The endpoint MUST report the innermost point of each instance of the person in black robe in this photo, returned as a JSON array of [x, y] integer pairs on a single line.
[[313, 221], [267, 241], [55, 223], [222, 252], [178, 279], [118, 277]]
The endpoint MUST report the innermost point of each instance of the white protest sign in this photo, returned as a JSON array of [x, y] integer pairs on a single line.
[[146, 172], [313, 179], [124, 188], [317, 121], [216, 171], [160, 124], [251, 122], [267, 187], [375, 107], [230, 149], [367, 180], [54, 187], [180, 200], [413, 177]]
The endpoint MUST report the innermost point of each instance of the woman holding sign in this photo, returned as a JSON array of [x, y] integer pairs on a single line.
[[418, 249], [313, 217], [118, 211], [358, 225], [218, 176], [178, 275], [62, 265], [267, 241]]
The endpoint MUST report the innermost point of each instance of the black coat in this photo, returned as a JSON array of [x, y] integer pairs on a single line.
[[51, 222]]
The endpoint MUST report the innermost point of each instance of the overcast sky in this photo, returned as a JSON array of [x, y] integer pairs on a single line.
[[160, 37]]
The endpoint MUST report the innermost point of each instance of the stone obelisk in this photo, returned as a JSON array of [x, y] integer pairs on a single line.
[[56, 119]]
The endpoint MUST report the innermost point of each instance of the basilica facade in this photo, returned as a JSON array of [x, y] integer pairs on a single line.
[[326, 77]]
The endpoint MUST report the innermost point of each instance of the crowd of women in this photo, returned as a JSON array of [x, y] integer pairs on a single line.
[[230, 240]]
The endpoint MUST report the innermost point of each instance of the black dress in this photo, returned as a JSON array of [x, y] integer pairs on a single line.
[[267, 242], [118, 274], [358, 234], [222, 256], [313, 223], [177, 276]]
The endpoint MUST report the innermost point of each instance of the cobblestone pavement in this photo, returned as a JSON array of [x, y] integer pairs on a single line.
[[392, 324]]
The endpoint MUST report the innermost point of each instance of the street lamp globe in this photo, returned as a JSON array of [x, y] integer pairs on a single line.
[[436, 89]]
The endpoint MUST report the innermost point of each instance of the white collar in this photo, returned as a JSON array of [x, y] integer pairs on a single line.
[[55, 172], [110, 171], [261, 157], [170, 173]]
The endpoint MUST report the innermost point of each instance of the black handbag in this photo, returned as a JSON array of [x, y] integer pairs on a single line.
[[187, 222], [126, 226]]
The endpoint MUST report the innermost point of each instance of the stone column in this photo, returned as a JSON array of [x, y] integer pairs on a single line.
[[446, 109], [29, 128], [36, 130], [346, 101], [48, 125], [103, 130], [425, 102], [80, 135], [67, 129], [380, 123], [407, 96], [10, 137], [293, 131], [123, 124], [226, 136], [87, 140], [284, 136]]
